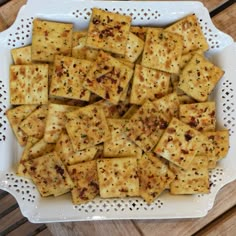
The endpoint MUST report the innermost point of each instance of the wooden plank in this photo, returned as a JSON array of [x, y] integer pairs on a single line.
[[224, 201], [6, 202], [9, 11], [96, 228], [30, 229], [225, 225], [226, 21]]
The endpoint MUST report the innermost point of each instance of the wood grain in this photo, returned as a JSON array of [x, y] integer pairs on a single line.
[[226, 21]]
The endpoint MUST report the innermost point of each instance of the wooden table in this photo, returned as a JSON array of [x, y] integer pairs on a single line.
[[220, 220]]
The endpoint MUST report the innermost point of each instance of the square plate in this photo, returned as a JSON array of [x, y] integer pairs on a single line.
[[222, 52]]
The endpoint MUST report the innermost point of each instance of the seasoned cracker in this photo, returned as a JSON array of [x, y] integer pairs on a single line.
[[108, 31], [34, 124], [146, 126], [139, 31], [179, 143], [65, 151], [168, 105], [148, 84], [49, 39], [220, 140], [29, 84], [55, 121], [87, 127], [194, 180], [200, 116], [119, 145], [68, 77], [118, 177], [154, 176], [15, 116], [108, 78], [49, 175], [85, 178], [192, 34], [22, 55], [199, 77], [162, 50]]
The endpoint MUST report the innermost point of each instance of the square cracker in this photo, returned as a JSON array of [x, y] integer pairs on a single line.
[[87, 127], [139, 31], [162, 50], [200, 116], [21, 170], [49, 175], [85, 178], [192, 34], [49, 39], [76, 36], [108, 77], [15, 116], [22, 55], [199, 77], [179, 143], [55, 121], [168, 105], [68, 77], [154, 176], [148, 84], [146, 126], [134, 48], [29, 84], [118, 177], [119, 145], [220, 141], [65, 151], [34, 124], [193, 180], [108, 31]]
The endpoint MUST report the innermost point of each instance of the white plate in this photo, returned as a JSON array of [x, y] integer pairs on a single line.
[[222, 52]]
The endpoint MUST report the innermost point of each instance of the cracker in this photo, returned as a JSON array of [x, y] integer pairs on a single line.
[[49, 39], [40, 148], [148, 84], [220, 140], [81, 51], [200, 116], [168, 105], [111, 110], [76, 36], [174, 79], [162, 50], [179, 143], [34, 124], [146, 126], [68, 77], [119, 145], [108, 31], [15, 116], [139, 31], [29, 84], [194, 180], [199, 77], [87, 127], [85, 178], [118, 177], [108, 78], [134, 48], [185, 99], [65, 151], [187, 57], [192, 34], [154, 176], [21, 170], [49, 175], [22, 55], [55, 121]]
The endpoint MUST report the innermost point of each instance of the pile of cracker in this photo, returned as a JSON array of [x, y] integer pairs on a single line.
[[117, 110]]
